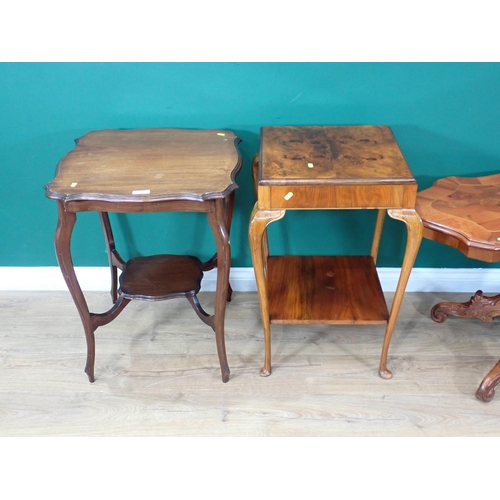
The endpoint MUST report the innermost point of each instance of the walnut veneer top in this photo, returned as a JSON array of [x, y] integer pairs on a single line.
[[331, 155], [148, 165]]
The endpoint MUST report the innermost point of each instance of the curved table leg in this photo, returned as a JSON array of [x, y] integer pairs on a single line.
[[65, 225], [258, 246], [212, 263], [486, 389], [202, 314], [415, 230], [217, 220], [115, 261], [101, 319]]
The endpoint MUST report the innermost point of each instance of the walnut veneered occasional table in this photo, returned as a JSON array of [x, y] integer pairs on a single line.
[[344, 167], [149, 170], [464, 213]]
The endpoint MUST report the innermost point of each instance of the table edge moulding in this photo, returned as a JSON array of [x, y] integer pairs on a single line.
[[326, 168], [140, 171]]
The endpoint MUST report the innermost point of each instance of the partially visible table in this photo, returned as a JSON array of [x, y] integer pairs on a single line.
[[304, 168], [464, 213], [149, 170]]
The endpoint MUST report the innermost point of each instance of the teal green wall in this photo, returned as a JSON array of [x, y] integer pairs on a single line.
[[444, 116]]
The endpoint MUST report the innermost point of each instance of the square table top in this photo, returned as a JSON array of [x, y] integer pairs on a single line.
[[154, 164], [326, 155]]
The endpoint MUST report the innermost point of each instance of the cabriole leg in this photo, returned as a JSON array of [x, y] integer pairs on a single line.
[[415, 231], [217, 220], [65, 225], [258, 247]]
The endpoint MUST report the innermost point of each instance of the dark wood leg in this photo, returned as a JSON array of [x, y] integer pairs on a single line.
[[479, 306], [212, 263], [202, 314], [65, 225], [217, 219], [99, 319], [486, 389], [115, 261]]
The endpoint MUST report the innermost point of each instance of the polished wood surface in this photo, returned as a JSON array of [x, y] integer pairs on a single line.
[[147, 165], [486, 390], [325, 167], [158, 375], [344, 167], [464, 213], [339, 155], [323, 289], [149, 170], [478, 306], [161, 276]]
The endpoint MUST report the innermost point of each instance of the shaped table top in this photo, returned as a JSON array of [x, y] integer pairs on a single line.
[[148, 165]]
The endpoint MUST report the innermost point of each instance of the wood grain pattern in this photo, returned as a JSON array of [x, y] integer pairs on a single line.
[[148, 165], [338, 155], [321, 289], [464, 213], [329, 167], [158, 374], [363, 196], [332, 167]]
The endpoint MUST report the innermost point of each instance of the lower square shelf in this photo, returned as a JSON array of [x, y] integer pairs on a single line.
[[324, 289]]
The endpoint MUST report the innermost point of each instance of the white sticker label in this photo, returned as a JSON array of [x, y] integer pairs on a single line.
[[288, 196], [142, 191]]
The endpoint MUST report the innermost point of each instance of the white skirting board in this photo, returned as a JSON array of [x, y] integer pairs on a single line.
[[243, 279]]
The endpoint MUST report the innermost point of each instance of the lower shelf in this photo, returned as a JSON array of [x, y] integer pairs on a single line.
[[323, 289], [160, 277]]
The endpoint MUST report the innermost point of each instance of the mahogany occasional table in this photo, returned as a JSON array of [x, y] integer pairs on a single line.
[[149, 170], [345, 167]]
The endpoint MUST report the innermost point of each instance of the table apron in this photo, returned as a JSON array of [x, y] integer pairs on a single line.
[[345, 196], [140, 207]]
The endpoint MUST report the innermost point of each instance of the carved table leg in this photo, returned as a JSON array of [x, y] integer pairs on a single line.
[[486, 389], [258, 247], [415, 229], [217, 220], [479, 306], [65, 225]]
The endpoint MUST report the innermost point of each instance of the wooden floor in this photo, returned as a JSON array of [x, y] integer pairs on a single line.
[[157, 373]]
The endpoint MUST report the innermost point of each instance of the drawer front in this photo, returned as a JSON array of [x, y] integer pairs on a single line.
[[355, 196]]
